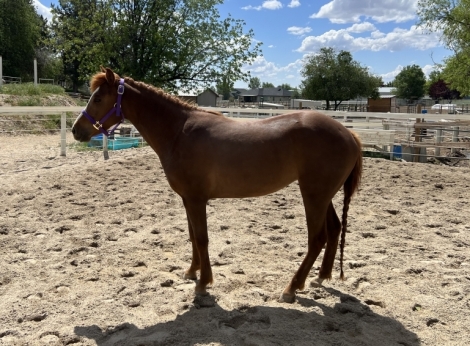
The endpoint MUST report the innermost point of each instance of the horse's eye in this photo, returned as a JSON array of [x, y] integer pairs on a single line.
[[97, 99]]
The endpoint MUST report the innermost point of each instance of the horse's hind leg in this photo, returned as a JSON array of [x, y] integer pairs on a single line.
[[315, 211], [191, 273], [333, 230]]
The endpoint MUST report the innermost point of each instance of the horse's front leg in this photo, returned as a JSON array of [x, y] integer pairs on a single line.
[[196, 212], [191, 273]]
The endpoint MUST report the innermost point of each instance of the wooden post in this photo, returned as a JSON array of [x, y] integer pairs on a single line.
[[455, 137], [417, 150], [384, 147], [300, 105], [1, 71], [63, 134], [438, 141]]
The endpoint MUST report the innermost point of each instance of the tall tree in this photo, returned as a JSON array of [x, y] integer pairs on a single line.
[[409, 83], [440, 90], [20, 29], [81, 31], [337, 77], [286, 86], [254, 83], [451, 19], [267, 85], [179, 43], [224, 87]]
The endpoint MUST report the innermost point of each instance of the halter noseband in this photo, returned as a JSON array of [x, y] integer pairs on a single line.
[[98, 124]]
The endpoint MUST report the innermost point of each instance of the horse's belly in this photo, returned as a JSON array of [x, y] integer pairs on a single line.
[[251, 181]]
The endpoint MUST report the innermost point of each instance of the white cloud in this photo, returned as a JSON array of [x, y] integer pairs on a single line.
[[348, 11], [389, 76], [272, 4], [268, 5], [361, 27], [42, 10], [396, 40], [427, 69], [265, 69], [294, 3], [295, 30]]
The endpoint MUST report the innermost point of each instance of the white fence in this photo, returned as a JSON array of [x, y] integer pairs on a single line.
[[420, 135]]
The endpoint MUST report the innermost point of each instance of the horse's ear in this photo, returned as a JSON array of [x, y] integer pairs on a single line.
[[102, 69], [110, 77]]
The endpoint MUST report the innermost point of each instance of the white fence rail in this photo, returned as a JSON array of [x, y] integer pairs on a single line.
[[382, 131]]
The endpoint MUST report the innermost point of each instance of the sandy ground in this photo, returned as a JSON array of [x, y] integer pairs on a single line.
[[93, 253]]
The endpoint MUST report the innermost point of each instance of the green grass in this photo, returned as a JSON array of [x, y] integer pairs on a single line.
[[28, 89]]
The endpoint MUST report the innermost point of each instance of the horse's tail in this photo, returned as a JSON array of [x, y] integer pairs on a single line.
[[350, 187]]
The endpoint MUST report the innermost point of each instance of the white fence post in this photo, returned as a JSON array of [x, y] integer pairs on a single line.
[[63, 134], [105, 147], [1, 71], [35, 72]]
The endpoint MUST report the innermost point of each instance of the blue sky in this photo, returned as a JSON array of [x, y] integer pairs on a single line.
[[381, 34]]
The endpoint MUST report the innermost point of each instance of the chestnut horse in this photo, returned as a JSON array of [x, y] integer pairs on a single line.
[[206, 155]]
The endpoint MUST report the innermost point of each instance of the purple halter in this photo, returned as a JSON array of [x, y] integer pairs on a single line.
[[98, 124]]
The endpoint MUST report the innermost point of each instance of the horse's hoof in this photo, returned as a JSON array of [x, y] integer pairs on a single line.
[[317, 282], [287, 298], [201, 292], [189, 276]]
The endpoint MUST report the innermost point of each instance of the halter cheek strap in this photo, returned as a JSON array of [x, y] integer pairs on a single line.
[[98, 124]]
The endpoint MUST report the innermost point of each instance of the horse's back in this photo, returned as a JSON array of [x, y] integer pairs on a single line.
[[231, 158]]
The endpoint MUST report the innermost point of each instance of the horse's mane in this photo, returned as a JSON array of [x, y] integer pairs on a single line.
[[100, 78]]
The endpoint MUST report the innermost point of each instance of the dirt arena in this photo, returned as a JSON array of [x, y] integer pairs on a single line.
[[93, 253]]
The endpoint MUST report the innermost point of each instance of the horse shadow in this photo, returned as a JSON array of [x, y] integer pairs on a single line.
[[350, 322]]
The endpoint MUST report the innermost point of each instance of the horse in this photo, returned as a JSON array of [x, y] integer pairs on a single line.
[[206, 155]]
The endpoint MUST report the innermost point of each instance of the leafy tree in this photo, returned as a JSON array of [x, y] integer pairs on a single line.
[[20, 28], [267, 85], [336, 77], [81, 33], [409, 83], [179, 44], [440, 90], [254, 83], [224, 87], [451, 19], [286, 86]]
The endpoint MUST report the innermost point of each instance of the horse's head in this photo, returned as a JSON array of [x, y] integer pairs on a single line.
[[103, 110]]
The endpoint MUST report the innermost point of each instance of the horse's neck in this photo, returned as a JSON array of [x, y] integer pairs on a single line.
[[158, 120]]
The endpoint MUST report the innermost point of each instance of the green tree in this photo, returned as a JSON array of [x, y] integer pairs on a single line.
[[20, 32], [336, 77], [434, 76], [451, 19], [267, 85], [81, 33], [179, 44], [286, 86], [224, 87], [409, 83], [254, 83]]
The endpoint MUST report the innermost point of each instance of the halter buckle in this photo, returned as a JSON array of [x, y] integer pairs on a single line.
[[97, 125]]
